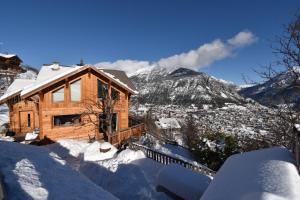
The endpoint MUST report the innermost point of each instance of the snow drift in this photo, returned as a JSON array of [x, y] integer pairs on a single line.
[[31, 172], [263, 175], [183, 182]]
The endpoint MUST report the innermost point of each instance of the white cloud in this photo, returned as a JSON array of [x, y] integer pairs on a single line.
[[195, 59], [129, 66], [242, 39]]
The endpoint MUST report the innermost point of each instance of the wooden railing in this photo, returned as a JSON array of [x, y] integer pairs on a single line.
[[167, 159], [124, 134]]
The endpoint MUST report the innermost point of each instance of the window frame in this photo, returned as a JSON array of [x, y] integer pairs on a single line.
[[65, 126], [55, 90], [107, 89], [70, 90], [100, 124], [117, 92]]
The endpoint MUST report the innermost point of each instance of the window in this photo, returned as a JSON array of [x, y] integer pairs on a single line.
[[28, 120], [75, 91], [59, 95], [114, 123], [66, 120], [115, 95], [102, 90]]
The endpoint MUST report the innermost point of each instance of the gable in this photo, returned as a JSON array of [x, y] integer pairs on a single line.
[[44, 83]]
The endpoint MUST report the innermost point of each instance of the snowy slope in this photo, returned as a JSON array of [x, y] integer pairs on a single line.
[[275, 91], [27, 176], [263, 175]]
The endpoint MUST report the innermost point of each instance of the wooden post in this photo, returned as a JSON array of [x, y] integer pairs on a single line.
[[41, 100]]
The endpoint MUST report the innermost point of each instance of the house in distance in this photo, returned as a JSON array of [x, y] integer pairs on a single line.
[[55, 102]]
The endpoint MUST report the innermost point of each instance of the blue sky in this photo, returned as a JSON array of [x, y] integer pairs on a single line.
[[97, 31]]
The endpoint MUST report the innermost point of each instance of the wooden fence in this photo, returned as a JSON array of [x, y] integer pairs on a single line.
[[124, 134], [167, 159]]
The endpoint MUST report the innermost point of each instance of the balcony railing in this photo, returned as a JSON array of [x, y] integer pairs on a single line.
[[124, 134]]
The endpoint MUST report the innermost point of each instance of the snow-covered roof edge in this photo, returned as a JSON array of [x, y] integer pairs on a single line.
[[15, 88], [33, 88]]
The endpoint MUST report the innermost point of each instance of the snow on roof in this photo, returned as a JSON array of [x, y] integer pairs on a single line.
[[7, 55], [53, 72], [49, 75], [263, 174], [182, 181], [165, 123], [111, 75], [47, 72], [26, 175], [17, 86]]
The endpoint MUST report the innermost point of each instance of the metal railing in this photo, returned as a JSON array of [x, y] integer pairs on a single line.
[[167, 159]]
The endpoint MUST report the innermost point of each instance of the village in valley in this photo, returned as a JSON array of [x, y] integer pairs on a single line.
[[165, 129]]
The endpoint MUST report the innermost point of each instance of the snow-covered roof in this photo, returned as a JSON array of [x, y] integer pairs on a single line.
[[17, 86], [49, 74], [54, 72], [165, 123], [263, 174], [7, 55]]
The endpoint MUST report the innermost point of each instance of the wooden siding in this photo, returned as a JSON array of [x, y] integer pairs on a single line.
[[89, 91], [21, 110]]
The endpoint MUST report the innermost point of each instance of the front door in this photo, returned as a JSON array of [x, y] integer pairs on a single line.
[[26, 121]]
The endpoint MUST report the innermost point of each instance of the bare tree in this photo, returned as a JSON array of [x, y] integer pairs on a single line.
[[99, 111], [287, 49]]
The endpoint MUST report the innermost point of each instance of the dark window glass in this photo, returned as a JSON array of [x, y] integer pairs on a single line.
[[66, 120], [115, 95], [102, 90], [102, 125], [28, 120]]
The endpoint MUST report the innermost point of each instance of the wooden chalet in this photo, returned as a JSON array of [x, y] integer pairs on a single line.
[[10, 62], [55, 101]]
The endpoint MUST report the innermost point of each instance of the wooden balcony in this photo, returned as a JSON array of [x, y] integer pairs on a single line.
[[124, 134]]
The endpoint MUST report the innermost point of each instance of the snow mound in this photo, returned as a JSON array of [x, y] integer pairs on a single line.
[[31, 136], [183, 182], [30, 172], [67, 147], [7, 138], [92, 152], [263, 174]]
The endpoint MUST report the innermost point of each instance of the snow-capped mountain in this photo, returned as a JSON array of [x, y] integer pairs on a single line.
[[183, 87], [277, 90]]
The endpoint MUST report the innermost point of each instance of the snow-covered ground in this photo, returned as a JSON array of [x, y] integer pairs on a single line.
[[183, 182], [127, 175], [31, 172], [267, 174], [3, 114]]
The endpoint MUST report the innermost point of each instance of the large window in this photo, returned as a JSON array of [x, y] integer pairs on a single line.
[[66, 120], [114, 123], [75, 91], [115, 95], [59, 95], [102, 90]]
